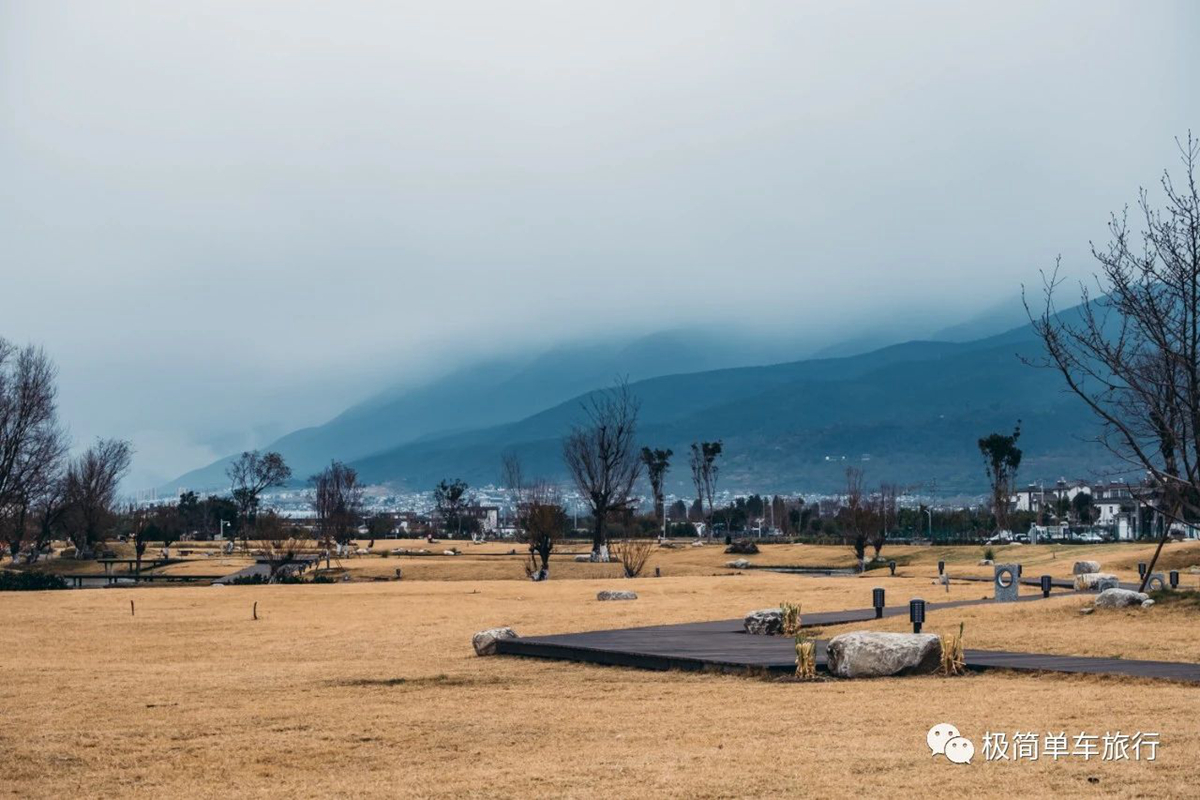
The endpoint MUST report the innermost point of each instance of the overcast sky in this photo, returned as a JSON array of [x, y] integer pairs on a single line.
[[228, 219]]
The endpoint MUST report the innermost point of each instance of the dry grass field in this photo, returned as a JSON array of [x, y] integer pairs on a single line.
[[372, 689]]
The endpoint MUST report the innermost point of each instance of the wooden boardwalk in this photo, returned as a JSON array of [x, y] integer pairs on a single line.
[[724, 645]]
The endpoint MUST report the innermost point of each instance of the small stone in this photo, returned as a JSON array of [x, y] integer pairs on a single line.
[[986, 562], [484, 642], [583, 559], [764, 622], [1149, 601], [616, 595], [1085, 567], [741, 563], [1087, 609]]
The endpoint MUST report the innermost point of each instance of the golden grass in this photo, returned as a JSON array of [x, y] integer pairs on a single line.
[[372, 689]]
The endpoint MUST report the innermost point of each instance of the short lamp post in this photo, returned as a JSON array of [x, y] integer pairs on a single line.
[[1173, 577], [1046, 583], [916, 613], [941, 568], [892, 567], [1141, 569], [877, 602]]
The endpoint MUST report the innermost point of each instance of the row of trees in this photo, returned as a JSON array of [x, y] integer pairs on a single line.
[[44, 493]]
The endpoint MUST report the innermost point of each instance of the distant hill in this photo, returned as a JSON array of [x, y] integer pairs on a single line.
[[911, 413], [490, 393], [908, 412]]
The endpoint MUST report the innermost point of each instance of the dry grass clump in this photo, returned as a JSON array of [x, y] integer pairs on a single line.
[[790, 617], [953, 662]]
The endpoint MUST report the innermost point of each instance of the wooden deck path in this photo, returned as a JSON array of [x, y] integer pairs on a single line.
[[724, 645]]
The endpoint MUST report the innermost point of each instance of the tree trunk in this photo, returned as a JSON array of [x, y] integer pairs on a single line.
[[599, 547], [1162, 539]]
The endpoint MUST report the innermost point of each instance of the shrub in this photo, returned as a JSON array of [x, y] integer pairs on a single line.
[[989, 554], [29, 581]]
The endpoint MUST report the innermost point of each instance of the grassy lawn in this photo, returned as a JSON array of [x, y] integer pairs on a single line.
[[372, 689]]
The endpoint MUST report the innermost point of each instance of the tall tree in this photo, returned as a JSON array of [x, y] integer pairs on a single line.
[[337, 500], [705, 471], [92, 482], [657, 463], [1132, 354], [602, 458], [1001, 457], [32, 445], [251, 474]]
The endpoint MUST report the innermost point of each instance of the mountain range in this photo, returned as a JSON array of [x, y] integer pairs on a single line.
[[910, 413]]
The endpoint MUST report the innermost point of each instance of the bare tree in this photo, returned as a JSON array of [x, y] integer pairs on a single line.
[[541, 521], [602, 458], [657, 463], [32, 445], [705, 471], [857, 515], [250, 474], [1001, 457], [512, 479], [1132, 355], [885, 503], [338, 503], [282, 543], [91, 487]]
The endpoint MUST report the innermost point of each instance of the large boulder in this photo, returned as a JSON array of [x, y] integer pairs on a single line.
[[764, 622], [867, 654], [1095, 581], [741, 563], [742, 547], [1120, 598], [583, 559], [616, 595], [484, 642], [1085, 567]]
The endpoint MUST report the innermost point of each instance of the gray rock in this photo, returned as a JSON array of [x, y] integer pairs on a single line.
[[986, 562], [764, 622], [616, 595], [1147, 602], [1157, 582], [1120, 598], [1085, 567], [741, 563], [484, 642], [583, 559], [1087, 609], [867, 654], [1094, 580]]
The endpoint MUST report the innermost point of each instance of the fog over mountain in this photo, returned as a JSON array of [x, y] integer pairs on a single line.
[[228, 222]]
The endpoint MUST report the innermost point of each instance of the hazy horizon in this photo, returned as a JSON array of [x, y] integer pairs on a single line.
[[225, 222]]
